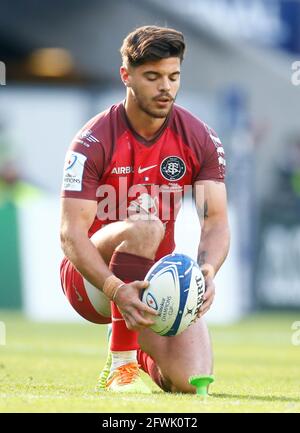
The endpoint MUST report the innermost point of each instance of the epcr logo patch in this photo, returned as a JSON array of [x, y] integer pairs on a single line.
[[72, 160], [151, 302]]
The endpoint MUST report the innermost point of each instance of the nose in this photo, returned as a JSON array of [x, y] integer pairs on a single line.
[[164, 85]]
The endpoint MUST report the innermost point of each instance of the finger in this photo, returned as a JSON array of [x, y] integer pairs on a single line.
[[133, 322], [202, 313], [206, 303], [204, 309], [204, 272], [130, 324], [133, 325], [207, 270], [208, 281], [144, 308], [140, 284], [143, 320], [208, 293], [137, 319]]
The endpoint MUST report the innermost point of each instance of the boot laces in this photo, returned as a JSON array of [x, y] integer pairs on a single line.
[[125, 374]]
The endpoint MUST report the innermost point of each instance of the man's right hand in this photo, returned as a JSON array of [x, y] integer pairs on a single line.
[[136, 314]]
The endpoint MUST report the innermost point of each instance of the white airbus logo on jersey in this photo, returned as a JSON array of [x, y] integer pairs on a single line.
[[122, 170], [141, 170]]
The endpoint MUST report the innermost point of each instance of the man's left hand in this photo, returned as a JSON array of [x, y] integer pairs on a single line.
[[208, 297]]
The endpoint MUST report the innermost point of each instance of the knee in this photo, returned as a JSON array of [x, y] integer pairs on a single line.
[[183, 388], [178, 386], [180, 383], [146, 233], [151, 226]]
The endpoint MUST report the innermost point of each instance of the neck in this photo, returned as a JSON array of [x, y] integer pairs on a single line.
[[146, 126]]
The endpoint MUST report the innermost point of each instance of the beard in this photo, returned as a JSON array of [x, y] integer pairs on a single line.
[[147, 106]]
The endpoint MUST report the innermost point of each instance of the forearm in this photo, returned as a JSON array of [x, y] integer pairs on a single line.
[[214, 245], [83, 254]]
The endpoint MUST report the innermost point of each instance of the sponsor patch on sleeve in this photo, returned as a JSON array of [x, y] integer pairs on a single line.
[[73, 171]]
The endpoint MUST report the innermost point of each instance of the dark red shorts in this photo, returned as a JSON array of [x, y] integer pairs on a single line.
[[86, 299]]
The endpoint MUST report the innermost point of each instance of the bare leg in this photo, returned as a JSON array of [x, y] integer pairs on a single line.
[[177, 357], [181, 356], [134, 236]]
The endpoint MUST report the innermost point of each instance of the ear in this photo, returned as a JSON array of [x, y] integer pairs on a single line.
[[125, 76]]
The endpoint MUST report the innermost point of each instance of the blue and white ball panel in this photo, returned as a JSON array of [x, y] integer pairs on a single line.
[[176, 291], [166, 302]]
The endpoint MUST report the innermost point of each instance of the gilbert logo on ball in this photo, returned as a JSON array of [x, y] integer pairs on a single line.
[[176, 291]]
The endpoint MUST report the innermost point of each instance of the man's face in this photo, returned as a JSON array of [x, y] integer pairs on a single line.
[[154, 85]]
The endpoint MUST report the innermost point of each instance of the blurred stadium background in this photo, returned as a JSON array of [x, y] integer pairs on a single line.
[[62, 67]]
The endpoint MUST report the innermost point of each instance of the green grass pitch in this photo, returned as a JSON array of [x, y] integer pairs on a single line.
[[54, 367]]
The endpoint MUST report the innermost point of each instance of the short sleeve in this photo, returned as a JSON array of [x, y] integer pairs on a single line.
[[213, 163], [83, 168]]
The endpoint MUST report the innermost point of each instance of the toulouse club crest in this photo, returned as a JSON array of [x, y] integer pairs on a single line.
[[172, 168]]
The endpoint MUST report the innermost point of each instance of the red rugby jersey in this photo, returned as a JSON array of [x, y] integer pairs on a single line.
[[110, 163]]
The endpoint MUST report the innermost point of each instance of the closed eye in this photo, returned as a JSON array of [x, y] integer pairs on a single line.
[[152, 76]]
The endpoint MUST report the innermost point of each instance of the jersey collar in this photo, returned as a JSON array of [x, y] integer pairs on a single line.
[[138, 137]]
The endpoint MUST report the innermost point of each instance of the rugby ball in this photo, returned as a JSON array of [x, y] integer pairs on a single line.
[[176, 291]]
